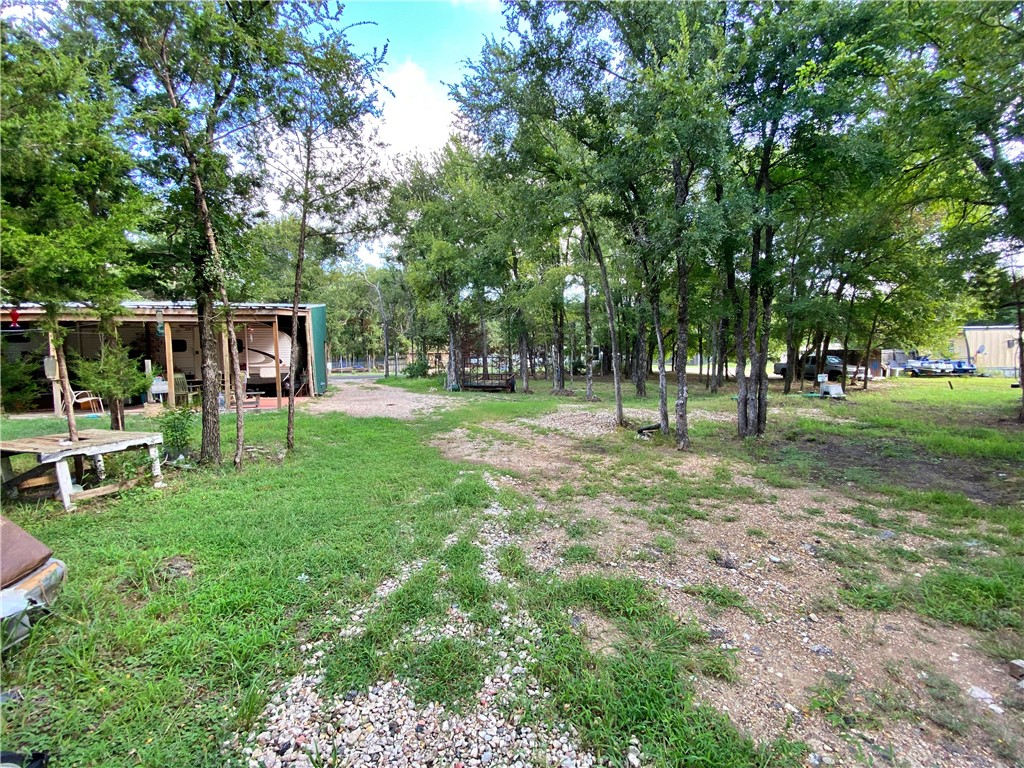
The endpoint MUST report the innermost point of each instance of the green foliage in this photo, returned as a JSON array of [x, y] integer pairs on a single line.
[[579, 553], [68, 198], [988, 596], [177, 426], [419, 369], [20, 382], [114, 375]]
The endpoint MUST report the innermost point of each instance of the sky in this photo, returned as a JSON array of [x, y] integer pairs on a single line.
[[428, 44]]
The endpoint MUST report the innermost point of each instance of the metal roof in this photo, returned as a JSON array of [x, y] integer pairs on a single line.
[[162, 305]]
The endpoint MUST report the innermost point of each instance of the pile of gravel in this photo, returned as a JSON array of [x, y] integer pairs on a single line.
[[384, 725]]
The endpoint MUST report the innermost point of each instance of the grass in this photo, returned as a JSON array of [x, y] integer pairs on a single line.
[[140, 656], [641, 691], [579, 553], [132, 659]]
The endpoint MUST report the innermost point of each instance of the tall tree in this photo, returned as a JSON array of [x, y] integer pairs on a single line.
[[323, 155], [200, 78], [68, 199]]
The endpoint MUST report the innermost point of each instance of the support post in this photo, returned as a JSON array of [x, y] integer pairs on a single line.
[[225, 369], [245, 350], [7, 473], [169, 363], [58, 394], [310, 357], [277, 364], [154, 455], [63, 483]]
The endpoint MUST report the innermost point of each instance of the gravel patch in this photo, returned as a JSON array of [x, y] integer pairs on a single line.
[[385, 725], [579, 421], [366, 399]]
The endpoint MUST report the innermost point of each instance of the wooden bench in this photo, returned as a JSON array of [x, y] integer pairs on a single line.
[[490, 383]]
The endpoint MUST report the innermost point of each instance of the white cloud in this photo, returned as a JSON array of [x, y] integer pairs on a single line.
[[419, 117]]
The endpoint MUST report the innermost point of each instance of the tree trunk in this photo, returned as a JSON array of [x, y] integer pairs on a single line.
[[718, 354], [209, 451], [639, 363], [558, 352], [867, 351], [239, 387], [659, 336], [609, 305], [300, 259], [767, 297], [846, 336], [452, 382], [681, 184], [700, 351], [524, 359], [682, 344], [588, 336], [65, 386], [787, 377], [1019, 299]]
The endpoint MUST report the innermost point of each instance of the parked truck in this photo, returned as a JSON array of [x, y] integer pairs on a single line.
[[833, 368]]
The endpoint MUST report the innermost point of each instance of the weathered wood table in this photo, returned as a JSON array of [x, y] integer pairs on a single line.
[[54, 451]]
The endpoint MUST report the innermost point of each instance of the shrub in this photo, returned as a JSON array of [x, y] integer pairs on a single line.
[[419, 369], [20, 384], [176, 426]]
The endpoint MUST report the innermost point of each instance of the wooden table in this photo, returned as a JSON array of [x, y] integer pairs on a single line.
[[53, 451]]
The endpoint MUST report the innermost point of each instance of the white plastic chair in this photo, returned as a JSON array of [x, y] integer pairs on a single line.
[[84, 396]]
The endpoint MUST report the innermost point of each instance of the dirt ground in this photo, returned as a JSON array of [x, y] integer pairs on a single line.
[[365, 398], [791, 634]]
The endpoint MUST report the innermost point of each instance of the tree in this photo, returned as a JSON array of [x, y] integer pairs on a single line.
[[200, 78], [68, 200], [443, 216], [323, 155]]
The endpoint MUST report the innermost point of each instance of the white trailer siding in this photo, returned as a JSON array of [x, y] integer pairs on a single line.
[[989, 346], [260, 343]]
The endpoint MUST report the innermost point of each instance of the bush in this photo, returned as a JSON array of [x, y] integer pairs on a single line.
[[114, 375], [176, 426], [20, 384], [418, 370]]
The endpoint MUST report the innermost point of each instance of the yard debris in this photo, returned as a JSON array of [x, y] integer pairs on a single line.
[[727, 561]]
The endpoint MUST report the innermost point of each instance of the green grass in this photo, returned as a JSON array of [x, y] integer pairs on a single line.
[[582, 528], [130, 659], [448, 671], [641, 691], [137, 657], [988, 596], [579, 553]]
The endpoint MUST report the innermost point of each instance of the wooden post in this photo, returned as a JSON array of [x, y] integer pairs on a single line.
[[245, 349], [311, 370], [169, 363], [277, 364], [63, 483], [58, 393], [224, 368]]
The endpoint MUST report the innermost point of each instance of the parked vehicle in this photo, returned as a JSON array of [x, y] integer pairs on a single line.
[[964, 368], [928, 367], [833, 368]]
